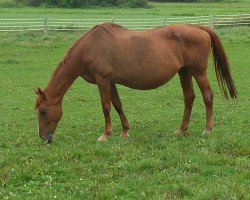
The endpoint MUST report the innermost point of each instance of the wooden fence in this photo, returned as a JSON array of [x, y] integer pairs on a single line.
[[53, 24]]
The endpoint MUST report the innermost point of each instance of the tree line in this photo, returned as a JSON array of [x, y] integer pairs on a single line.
[[101, 3], [187, 0], [85, 3]]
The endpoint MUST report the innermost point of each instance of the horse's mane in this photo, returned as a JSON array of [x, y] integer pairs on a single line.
[[66, 57], [111, 28], [90, 32], [108, 26], [65, 62]]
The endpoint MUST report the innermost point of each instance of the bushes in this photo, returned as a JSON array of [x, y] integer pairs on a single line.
[[82, 3], [133, 3], [187, 0]]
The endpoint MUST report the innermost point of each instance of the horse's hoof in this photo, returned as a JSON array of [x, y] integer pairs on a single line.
[[102, 138], [124, 135], [207, 132], [179, 132]]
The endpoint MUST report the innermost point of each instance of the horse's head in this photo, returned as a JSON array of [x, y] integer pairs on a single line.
[[49, 112]]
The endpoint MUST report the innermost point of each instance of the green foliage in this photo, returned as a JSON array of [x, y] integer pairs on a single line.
[[188, 0], [84, 3]]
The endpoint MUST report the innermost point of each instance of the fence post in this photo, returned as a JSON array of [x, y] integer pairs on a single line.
[[165, 21], [212, 21], [45, 25]]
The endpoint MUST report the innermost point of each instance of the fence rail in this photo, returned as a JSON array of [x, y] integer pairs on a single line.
[[53, 24]]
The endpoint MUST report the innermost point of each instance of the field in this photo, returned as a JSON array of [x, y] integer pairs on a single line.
[[159, 10], [152, 163]]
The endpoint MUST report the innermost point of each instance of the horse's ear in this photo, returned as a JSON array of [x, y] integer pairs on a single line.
[[38, 91]]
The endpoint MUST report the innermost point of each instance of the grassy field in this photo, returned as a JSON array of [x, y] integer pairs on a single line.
[[157, 10], [153, 163]]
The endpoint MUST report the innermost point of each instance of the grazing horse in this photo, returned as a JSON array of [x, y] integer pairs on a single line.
[[110, 54]]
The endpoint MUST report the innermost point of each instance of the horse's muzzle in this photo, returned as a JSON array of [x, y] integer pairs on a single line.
[[48, 137]]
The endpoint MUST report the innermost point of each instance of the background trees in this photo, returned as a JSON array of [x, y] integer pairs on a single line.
[[84, 3]]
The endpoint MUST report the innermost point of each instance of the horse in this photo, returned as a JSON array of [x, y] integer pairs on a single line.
[[109, 54]]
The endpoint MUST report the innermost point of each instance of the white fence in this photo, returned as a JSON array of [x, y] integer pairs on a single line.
[[52, 24]]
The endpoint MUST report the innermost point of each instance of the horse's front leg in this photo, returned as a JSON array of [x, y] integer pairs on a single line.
[[104, 87]]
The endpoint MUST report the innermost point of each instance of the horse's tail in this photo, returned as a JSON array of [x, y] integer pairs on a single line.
[[221, 65]]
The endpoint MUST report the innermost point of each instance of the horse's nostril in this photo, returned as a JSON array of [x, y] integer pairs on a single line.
[[49, 138]]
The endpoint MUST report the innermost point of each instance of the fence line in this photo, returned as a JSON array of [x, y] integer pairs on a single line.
[[55, 24]]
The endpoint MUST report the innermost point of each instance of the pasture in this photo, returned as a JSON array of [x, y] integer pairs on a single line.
[[152, 163], [158, 10]]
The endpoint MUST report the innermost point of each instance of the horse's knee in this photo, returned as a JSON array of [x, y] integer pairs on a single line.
[[106, 109]]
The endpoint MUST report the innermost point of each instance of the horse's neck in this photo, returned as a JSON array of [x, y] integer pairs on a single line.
[[61, 80]]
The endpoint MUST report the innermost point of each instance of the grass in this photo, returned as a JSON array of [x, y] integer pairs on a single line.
[[158, 10], [152, 164]]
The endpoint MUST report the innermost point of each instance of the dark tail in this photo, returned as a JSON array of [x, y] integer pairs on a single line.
[[221, 65]]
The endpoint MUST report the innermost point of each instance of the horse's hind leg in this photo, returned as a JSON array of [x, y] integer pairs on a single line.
[[104, 87], [188, 93], [207, 95], [118, 107]]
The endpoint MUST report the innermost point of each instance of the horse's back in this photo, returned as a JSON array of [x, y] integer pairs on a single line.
[[141, 59]]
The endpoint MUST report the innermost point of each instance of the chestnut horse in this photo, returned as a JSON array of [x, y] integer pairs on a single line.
[[109, 54]]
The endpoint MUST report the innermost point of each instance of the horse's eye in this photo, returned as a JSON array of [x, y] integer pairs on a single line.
[[43, 112]]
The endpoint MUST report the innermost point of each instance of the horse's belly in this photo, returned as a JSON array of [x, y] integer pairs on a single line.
[[146, 79], [147, 70], [147, 85]]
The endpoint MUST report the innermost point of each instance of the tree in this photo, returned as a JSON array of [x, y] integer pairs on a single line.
[[82, 3]]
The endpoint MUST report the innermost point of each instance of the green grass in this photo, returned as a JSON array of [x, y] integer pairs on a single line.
[[153, 163], [157, 10]]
